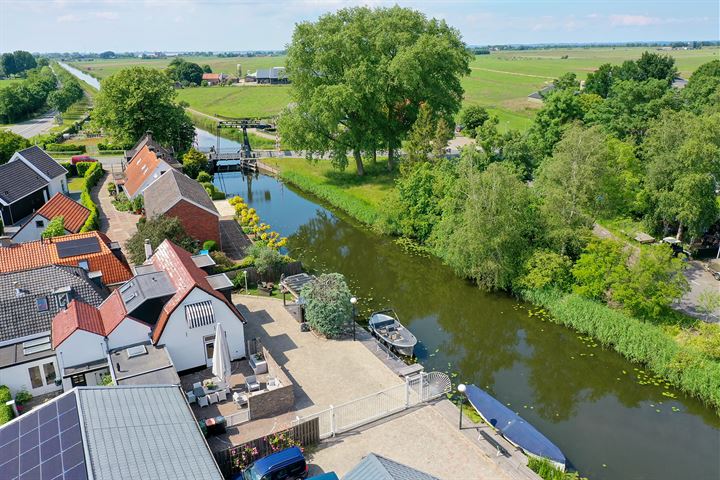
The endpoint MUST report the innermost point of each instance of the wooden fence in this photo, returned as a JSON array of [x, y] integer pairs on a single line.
[[253, 277], [231, 460]]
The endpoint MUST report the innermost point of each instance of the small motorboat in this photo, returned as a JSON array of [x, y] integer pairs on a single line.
[[514, 428], [385, 325]]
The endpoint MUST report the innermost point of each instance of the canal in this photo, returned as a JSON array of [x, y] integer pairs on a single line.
[[609, 418]]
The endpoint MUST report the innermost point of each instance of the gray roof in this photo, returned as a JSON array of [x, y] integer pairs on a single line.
[[275, 72], [543, 92], [15, 354], [376, 467], [43, 162], [108, 433], [167, 154], [19, 315], [144, 287], [173, 186], [153, 367], [143, 432], [18, 180]]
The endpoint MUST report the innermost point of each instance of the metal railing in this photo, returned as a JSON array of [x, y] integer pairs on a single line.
[[416, 389]]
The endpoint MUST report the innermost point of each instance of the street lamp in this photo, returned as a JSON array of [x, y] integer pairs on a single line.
[[461, 389], [353, 301]]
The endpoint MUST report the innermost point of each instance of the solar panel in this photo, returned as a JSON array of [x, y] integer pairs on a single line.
[[45, 443], [80, 246]]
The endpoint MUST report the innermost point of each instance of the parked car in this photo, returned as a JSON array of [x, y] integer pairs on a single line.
[[288, 464], [75, 159]]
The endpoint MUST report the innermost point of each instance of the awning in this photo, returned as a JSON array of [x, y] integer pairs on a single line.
[[200, 314]]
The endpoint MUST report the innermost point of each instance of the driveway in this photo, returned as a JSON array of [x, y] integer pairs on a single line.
[[700, 281], [34, 126], [119, 226]]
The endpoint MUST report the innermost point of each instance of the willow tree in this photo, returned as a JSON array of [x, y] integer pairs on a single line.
[[359, 76]]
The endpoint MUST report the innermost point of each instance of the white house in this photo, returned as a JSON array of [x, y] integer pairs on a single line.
[[27, 181], [29, 299], [170, 303], [74, 217], [144, 168]]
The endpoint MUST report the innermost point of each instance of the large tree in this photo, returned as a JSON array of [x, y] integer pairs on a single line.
[[181, 70], [10, 143], [360, 75], [489, 225], [703, 89], [139, 99]]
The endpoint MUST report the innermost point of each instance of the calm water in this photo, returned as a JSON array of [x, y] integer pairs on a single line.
[[587, 400], [90, 80]]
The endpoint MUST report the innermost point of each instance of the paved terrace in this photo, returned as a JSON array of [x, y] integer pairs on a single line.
[[331, 372]]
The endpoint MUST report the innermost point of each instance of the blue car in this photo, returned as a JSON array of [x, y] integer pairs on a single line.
[[288, 464]]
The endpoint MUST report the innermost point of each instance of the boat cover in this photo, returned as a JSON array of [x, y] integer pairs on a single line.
[[512, 426]]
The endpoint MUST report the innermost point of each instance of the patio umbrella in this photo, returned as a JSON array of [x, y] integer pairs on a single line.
[[222, 368]]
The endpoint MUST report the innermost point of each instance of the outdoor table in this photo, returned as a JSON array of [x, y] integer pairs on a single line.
[[199, 392]]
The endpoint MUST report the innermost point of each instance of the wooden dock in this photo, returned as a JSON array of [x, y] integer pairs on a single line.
[[390, 360]]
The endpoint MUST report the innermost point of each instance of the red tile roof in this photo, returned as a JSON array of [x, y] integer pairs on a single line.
[[40, 253], [78, 316], [140, 168], [72, 212], [211, 76], [112, 312], [185, 276]]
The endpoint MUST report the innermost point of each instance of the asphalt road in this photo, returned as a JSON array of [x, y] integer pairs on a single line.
[[700, 280], [35, 126]]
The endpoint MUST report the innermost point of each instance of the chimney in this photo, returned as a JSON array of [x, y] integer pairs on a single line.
[[148, 249], [5, 241], [18, 291]]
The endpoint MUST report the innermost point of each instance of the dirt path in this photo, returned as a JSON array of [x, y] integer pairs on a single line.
[[512, 73]]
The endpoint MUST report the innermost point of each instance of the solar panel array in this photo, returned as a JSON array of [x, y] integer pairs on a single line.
[[44, 444], [80, 246]]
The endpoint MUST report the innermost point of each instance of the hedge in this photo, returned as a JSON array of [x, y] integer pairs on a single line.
[[685, 367], [93, 173], [70, 167], [6, 411], [83, 167], [65, 147], [112, 146]]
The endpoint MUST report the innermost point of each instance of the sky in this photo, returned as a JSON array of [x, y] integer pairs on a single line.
[[231, 25]]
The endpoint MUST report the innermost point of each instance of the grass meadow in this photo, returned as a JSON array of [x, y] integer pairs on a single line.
[[500, 82]]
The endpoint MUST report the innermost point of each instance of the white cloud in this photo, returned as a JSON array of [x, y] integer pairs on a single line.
[[634, 20], [68, 18], [107, 15]]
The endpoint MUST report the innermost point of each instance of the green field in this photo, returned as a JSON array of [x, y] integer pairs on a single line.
[[500, 82]]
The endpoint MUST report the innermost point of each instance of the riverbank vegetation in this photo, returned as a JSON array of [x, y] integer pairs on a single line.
[[515, 212]]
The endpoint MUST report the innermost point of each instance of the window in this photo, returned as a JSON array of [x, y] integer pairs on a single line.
[[35, 377], [84, 265], [209, 346], [50, 376], [78, 380], [39, 224], [42, 304], [38, 345]]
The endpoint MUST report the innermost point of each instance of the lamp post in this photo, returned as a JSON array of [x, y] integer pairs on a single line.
[[461, 389], [353, 301]]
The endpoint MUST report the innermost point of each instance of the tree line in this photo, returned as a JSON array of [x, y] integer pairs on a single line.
[[16, 63], [517, 209], [21, 100]]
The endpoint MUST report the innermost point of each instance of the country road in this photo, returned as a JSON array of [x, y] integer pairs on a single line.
[[35, 126]]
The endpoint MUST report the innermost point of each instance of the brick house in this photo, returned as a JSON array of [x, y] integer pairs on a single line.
[[177, 195]]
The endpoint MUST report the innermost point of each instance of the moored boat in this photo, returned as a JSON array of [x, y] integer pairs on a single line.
[[385, 325], [514, 428]]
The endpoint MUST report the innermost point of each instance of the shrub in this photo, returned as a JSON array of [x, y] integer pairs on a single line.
[[6, 411], [111, 188], [56, 228], [328, 308], [548, 471], [70, 167], [156, 230], [65, 147], [138, 203], [22, 397], [204, 177], [218, 195], [546, 269], [210, 245], [208, 186], [246, 262], [221, 259], [102, 146], [93, 173], [268, 262], [122, 203]]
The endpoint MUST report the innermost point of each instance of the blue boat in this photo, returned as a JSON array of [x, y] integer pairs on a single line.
[[512, 426]]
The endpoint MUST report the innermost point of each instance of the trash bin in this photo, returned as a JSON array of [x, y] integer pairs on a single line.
[[220, 425]]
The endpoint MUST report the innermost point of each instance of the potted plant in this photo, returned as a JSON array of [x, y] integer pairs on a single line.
[[258, 363]]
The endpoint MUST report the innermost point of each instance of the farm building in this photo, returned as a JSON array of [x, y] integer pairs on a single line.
[[74, 216], [273, 76], [175, 194], [214, 78], [27, 181]]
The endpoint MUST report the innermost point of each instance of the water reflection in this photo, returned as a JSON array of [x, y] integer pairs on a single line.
[[585, 399]]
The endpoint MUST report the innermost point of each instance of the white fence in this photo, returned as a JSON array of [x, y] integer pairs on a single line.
[[241, 416], [416, 389]]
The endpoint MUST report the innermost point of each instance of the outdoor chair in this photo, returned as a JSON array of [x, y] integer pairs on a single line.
[[221, 395], [191, 397], [252, 383], [203, 401], [240, 399], [212, 397], [197, 385], [273, 383]]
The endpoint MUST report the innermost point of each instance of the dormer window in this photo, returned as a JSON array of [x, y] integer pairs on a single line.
[[84, 265], [42, 304], [63, 296]]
